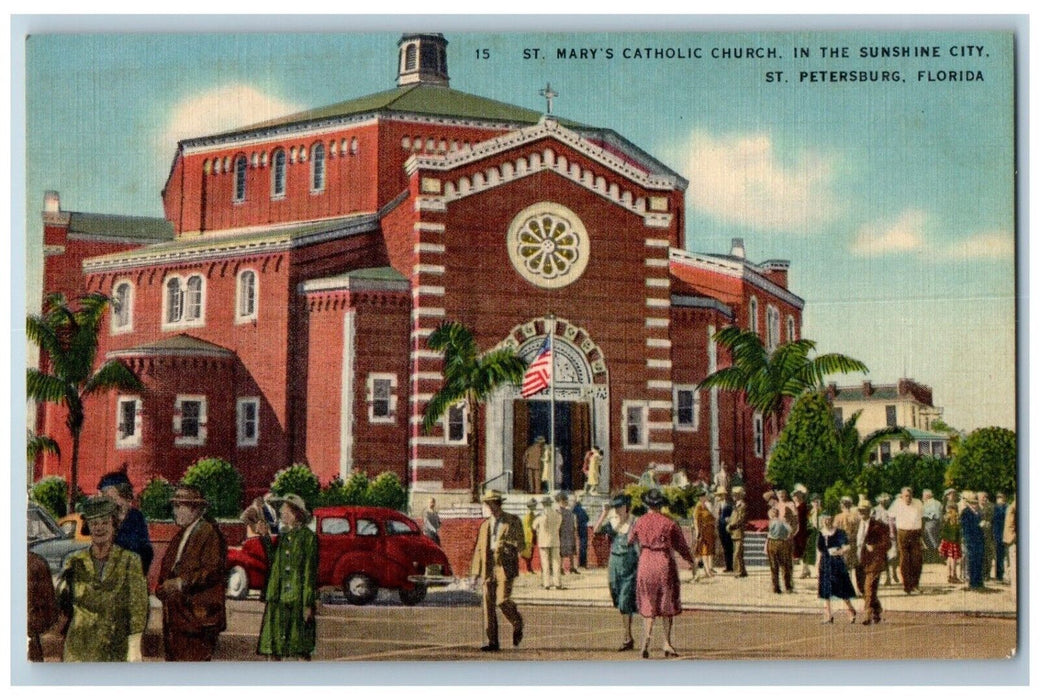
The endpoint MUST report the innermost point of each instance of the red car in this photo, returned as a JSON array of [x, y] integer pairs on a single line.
[[360, 549]]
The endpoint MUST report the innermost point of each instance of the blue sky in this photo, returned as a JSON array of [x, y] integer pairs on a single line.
[[894, 202]]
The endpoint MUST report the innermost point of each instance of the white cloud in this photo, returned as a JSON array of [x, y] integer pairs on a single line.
[[220, 109], [904, 234], [741, 179], [986, 245]]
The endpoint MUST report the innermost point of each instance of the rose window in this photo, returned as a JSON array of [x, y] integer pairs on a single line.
[[548, 245]]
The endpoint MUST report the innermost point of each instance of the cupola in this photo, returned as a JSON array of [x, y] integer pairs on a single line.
[[422, 58]]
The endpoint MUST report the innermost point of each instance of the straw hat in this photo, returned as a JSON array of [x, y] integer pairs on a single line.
[[492, 496]]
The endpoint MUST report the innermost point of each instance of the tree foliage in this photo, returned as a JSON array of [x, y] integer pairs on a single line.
[[470, 377], [986, 460], [917, 471], [386, 491], [807, 451], [298, 479], [219, 482], [51, 492], [68, 338]]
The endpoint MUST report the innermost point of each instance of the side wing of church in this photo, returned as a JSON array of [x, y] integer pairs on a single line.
[[280, 311]]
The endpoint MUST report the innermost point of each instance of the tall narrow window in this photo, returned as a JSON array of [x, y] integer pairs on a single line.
[[189, 420], [184, 302], [790, 329], [634, 428], [890, 416], [317, 168], [409, 57], [248, 410], [772, 327], [246, 306], [687, 408], [455, 424], [193, 300], [278, 173], [240, 178], [128, 422], [122, 307], [759, 436], [753, 315], [886, 452], [174, 300], [382, 398]]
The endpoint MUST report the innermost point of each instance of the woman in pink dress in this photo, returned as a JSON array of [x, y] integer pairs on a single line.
[[657, 578]]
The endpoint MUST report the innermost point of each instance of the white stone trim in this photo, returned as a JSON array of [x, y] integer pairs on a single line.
[[659, 384], [346, 395], [658, 282], [429, 290], [420, 376], [742, 270], [658, 364], [657, 220], [429, 248], [434, 204], [658, 243], [424, 353], [418, 398], [423, 333], [713, 401], [427, 269], [427, 311], [661, 446], [658, 343], [656, 262], [659, 425], [657, 322], [667, 405], [421, 463], [426, 440], [129, 442], [429, 226], [658, 303]]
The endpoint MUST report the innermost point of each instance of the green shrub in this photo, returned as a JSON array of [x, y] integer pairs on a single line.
[[386, 491], [334, 494], [50, 492], [298, 479], [220, 483], [155, 500], [833, 494], [355, 491]]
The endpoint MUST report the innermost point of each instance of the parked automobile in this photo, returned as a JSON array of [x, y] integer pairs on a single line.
[[75, 525], [48, 540], [360, 549]]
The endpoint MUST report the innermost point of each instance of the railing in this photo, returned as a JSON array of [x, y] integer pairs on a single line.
[[509, 481]]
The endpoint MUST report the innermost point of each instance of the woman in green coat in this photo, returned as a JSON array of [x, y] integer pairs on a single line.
[[289, 627], [104, 591], [623, 562]]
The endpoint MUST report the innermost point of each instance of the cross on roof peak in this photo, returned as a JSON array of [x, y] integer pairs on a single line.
[[548, 93]]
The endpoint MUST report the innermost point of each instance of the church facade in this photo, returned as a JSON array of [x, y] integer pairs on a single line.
[[279, 312]]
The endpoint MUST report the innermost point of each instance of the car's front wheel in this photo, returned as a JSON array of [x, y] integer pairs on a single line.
[[237, 583], [414, 596], [360, 589]]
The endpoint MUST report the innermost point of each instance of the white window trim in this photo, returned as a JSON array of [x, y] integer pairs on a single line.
[[129, 327], [465, 424], [131, 441], [324, 167], [244, 441], [235, 199], [182, 281], [772, 327], [791, 329], [186, 441], [239, 316], [753, 315], [370, 397], [644, 428], [696, 407], [285, 173], [758, 437]]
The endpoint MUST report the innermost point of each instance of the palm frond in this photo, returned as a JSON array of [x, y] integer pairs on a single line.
[[439, 405], [832, 363], [36, 445], [112, 375], [44, 387]]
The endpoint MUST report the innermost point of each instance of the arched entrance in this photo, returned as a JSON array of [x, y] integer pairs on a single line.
[[582, 410]]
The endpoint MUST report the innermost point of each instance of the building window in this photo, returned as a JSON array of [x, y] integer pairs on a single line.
[[890, 416], [790, 329], [185, 301], [128, 421], [123, 308], [455, 424], [317, 168], [240, 178], [189, 420], [886, 452], [839, 417], [382, 398], [278, 173], [772, 327], [409, 57], [245, 304], [759, 435], [753, 315], [687, 404], [938, 448], [634, 428], [248, 413]]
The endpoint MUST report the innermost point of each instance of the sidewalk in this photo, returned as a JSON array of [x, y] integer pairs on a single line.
[[727, 593]]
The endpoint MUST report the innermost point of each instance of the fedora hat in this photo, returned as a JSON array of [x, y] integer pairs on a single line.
[[97, 507], [295, 501], [720, 491], [863, 503], [800, 487], [653, 498], [532, 503], [737, 490], [622, 499], [184, 493], [113, 479], [547, 500], [492, 496]]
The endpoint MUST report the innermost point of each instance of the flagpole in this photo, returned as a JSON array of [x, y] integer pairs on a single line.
[[552, 401]]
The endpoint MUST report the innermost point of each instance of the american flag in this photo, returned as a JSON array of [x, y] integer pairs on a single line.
[[536, 377]]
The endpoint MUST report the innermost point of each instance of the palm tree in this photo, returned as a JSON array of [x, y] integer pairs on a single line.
[[853, 453], [768, 379], [469, 377], [68, 338]]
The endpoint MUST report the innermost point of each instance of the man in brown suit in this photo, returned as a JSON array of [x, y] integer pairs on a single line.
[[533, 465], [871, 541], [496, 563], [735, 526], [192, 581]]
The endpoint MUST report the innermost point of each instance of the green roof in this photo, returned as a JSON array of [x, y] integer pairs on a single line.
[[377, 273], [881, 392], [918, 434], [412, 99], [114, 226], [181, 344]]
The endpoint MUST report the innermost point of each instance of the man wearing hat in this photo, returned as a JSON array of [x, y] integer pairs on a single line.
[[132, 533], [848, 520], [192, 580], [735, 527], [974, 541], [723, 510], [533, 465], [527, 553], [495, 562], [546, 528], [933, 513], [871, 544]]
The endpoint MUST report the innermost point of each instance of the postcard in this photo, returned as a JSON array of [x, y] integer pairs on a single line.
[[521, 346]]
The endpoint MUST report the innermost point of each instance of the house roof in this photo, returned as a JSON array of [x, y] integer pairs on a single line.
[[368, 278], [881, 392], [918, 434], [179, 345], [142, 228]]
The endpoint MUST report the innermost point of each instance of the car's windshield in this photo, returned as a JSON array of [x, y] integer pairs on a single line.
[[41, 527]]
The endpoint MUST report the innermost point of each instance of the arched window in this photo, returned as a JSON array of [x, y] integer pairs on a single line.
[[409, 57], [790, 329], [122, 307], [184, 301], [278, 173], [174, 301], [317, 167], [753, 315], [193, 299], [240, 178], [245, 309]]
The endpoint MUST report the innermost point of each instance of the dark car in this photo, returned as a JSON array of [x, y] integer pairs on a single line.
[[49, 540], [360, 549]]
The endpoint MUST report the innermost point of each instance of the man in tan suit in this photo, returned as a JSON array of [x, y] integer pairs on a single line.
[[192, 581], [871, 541], [496, 562], [735, 526], [848, 520], [546, 528], [533, 465]]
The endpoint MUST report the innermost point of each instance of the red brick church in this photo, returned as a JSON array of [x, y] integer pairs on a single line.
[[279, 312]]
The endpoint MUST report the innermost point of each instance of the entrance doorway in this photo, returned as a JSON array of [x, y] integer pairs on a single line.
[[573, 438]]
